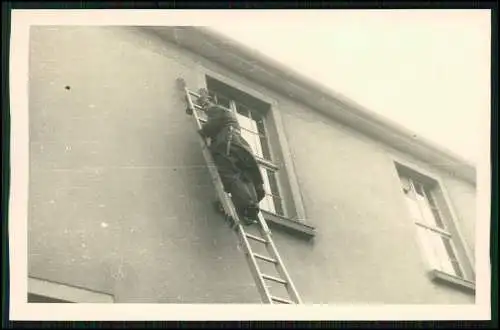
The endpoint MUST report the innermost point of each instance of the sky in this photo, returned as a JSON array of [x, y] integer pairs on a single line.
[[426, 70]]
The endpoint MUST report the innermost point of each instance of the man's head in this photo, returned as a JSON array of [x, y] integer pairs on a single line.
[[205, 100]]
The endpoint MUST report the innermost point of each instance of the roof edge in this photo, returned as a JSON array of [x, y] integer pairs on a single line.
[[321, 97]]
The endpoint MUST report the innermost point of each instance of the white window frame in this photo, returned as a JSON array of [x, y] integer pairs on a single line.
[[296, 222], [465, 260]]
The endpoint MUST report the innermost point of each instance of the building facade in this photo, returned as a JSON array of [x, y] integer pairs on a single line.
[[120, 199]]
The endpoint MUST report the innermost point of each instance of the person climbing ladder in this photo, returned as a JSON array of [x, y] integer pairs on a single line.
[[234, 159], [236, 172]]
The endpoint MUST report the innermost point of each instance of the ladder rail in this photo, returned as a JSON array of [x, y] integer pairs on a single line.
[[228, 206], [254, 268], [214, 174], [273, 252]]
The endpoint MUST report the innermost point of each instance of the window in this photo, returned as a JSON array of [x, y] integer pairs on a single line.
[[262, 128], [252, 115], [435, 239], [434, 229]]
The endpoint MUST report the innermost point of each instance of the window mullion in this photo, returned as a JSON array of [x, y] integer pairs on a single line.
[[414, 197], [412, 190], [455, 257], [421, 224], [232, 105], [435, 207]]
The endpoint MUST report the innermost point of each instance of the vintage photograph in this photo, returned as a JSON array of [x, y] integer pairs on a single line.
[[191, 164]]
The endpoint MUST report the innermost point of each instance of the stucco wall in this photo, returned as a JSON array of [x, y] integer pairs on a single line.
[[366, 249], [120, 198]]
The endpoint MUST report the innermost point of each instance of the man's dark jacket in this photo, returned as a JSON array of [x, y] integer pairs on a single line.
[[218, 129]]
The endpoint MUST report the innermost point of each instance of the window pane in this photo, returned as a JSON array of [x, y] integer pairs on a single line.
[[434, 209], [427, 246], [442, 253], [405, 185], [271, 202], [439, 251], [452, 256], [260, 126], [273, 184], [221, 100], [242, 110], [411, 203], [430, 214], [244, 118], [418, 188], [258, 147], [248, 137], [265, 152], [248, 126], [267, 204], [413, 208], [267, 186], [255, 116], [427, 216], [245, 122], [254, 142], [278, 205]]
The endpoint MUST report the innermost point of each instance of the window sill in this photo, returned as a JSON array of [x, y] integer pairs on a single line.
[[297, 228], [460, 283]]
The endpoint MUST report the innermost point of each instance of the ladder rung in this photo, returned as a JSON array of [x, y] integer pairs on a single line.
[[256, 238], [275, 279], [193, 93], [281, 300], [261, 257]]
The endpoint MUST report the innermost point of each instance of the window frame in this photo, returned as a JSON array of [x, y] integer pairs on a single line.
[[293, 223], [442, 232], [467, 282]]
